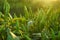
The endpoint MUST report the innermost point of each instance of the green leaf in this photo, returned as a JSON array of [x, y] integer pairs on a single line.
[[6, 7], [2, 28], [27, 37], [0, 14], [11, 35], [53, 36], [59, 35], [26, 12]]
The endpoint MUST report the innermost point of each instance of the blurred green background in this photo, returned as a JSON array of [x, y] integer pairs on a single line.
[[17, 6]]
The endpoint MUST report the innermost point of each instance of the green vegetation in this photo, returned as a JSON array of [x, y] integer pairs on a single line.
[[44, 25]]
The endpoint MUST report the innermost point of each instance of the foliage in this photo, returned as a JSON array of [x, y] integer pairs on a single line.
[[47, 24]]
